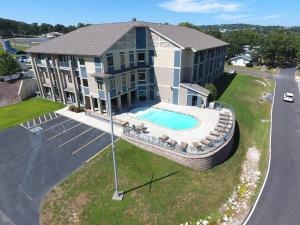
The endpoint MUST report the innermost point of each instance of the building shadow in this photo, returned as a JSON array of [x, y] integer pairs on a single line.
[[223, 83], [236, 142], [152, 180]]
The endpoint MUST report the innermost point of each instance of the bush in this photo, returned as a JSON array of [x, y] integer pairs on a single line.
[[72, 108], [213, 90], [249, 64], [79, 109], [8, 65]]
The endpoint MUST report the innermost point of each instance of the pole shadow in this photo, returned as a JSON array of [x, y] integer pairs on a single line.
[[150, 182]]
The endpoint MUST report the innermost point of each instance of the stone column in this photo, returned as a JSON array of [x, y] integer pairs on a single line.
[[57, 80], [37, 76], [51, 79], [92, 104], [74, 83], [60, 82], [99, 106], [119, 101], [129, 98]]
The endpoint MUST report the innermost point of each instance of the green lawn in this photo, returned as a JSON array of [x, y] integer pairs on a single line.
[[15, 114], [178, 194]]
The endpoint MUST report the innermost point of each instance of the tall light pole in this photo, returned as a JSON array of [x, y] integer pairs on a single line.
[[117, 195]]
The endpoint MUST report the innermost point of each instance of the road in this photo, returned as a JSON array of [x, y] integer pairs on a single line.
[[34, 158], [279, 203]]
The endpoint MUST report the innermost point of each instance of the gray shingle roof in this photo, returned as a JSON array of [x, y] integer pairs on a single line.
[[196, 88], [96, 39]]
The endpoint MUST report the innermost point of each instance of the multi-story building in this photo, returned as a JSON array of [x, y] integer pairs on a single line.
[[132, 61]]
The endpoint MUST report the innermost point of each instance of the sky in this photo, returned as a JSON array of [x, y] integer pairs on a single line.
[[199, 12]]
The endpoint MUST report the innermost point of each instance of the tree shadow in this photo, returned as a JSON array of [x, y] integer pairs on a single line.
[[236, 142], [150, 182], [223, 83]]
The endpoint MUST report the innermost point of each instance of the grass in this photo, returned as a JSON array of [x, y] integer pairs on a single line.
[[177, 194], [273, 71], [15, 114]]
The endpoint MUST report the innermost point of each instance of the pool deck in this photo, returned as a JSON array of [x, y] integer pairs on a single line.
[[208, 119]]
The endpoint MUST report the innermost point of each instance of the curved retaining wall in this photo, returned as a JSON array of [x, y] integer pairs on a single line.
[[198, 162]]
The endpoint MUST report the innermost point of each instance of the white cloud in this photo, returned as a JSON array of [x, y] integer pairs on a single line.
[[232, 17], [271, 16], [203, 6]]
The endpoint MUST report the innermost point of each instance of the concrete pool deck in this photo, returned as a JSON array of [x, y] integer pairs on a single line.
[[208, 119]]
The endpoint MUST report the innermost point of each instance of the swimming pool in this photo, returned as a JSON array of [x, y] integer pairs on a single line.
[[165, 118]]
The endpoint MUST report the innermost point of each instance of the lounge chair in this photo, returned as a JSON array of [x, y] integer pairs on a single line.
[[215, 133], [164, 138], [136, 129], [211, 138], [205, 142], [221, 125], [227, 114], [183, 146], [197, 145], [219, 129], [172, 143]]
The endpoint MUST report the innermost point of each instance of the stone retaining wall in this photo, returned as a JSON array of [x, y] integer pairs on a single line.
[[198, 162]]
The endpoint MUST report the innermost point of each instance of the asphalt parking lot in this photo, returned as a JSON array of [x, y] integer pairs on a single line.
[[35, 156]]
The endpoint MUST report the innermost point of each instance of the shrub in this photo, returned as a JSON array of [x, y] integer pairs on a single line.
[[72, 108], [79, 109], [213, 90], [249, 64]]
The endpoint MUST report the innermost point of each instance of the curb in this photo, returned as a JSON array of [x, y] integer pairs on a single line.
[[269, 164]]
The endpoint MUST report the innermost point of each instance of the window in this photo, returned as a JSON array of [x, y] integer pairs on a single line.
[[122, 58], [112, 83], [124, 79], [141, 56], [69, 78], [100, 84], [142, 76], [81, 61], [110, 60], [63, 58], [131, 56], [132, 77], [97, 59], [85, 82]]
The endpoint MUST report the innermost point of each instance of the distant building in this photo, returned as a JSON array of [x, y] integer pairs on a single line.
[[240, 60], [133, 61]]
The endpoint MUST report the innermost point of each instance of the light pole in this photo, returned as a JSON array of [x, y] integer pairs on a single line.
[[117, 195]]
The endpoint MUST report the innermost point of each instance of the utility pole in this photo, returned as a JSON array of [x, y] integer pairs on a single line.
[[117, 195]]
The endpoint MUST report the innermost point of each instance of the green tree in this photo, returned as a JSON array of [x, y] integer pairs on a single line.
[[213, 90], [278, 48], [8, 65]]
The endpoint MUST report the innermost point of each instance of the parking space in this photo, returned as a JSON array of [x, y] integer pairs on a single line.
[[37, 155]]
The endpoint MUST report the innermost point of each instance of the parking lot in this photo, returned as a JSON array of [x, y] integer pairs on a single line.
[[35, 156]]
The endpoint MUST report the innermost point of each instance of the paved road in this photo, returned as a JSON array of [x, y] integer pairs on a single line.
[[32, 163], [280, 201]]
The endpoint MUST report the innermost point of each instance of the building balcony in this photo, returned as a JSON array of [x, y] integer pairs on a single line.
[[85, 90], [63, 65], [41, 62]]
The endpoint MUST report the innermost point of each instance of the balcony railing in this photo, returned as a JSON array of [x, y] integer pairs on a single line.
[[41, 62], [85, 90], [63, 64]]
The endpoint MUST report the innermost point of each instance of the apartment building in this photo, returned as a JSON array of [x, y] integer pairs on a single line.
[[130, 62]]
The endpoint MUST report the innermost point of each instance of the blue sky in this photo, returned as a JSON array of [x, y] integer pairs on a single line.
[[200, 12]]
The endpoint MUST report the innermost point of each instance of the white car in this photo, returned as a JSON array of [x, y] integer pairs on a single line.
[[288, 97], [231, 72]]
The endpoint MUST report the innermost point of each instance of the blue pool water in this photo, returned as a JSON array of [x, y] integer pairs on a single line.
[[168, 119]]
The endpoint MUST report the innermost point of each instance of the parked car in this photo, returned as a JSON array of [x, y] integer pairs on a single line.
[[231, 72], [23, 59], [288, 97]]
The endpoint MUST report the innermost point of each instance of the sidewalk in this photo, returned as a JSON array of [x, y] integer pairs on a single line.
[[93, 122]]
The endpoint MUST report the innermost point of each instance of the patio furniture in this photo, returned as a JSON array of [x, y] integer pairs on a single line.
[[215, 133], [221, 125], [136, 129], [172, 143], [226, 114], [205, 142], [164, 138], [197, 145], [219, 129], [211, 138], [183, 146]]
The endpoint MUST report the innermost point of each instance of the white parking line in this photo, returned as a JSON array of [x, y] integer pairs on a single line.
[[55, 126], [75, 137], [79, 149], [45, 118], [28, 124], [21, 124], [33, 122], [63, 132], [40, 120], [50, 116]]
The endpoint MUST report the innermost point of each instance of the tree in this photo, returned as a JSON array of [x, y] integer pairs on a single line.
[[213, 90], [278, 48], [8, 65]]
